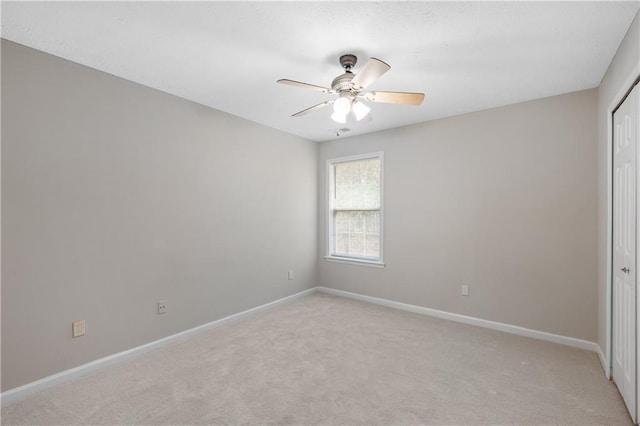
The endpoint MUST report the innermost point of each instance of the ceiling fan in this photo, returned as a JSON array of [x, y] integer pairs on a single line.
[[350, 90]]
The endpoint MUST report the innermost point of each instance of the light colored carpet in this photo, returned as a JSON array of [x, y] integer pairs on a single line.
[[326, 360]]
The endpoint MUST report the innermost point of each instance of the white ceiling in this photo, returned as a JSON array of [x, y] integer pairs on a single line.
[[466, 56]]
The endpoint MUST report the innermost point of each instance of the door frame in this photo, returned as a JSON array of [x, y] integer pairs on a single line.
[[606, 358]]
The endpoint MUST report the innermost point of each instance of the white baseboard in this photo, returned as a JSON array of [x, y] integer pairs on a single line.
[[605, 362], [507, 328], [16, 394]]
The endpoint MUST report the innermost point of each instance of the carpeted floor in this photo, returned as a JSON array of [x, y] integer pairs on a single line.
[[326, 360]]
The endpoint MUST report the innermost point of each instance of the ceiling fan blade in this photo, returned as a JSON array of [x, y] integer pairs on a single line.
[[372, 70], [304, 85], [403, 98], [308, 110]]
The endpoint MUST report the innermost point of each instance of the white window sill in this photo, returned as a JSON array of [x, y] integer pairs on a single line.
[[358, 262]]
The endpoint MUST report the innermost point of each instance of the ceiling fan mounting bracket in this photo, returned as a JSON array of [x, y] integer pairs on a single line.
[[348, 61]]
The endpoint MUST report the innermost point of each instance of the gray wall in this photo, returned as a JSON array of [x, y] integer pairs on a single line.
[[115, 196], [504, 200], [625, 61]]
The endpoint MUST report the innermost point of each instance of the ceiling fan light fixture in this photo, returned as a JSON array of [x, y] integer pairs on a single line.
[[360, 110], [342, 106], [339, 118]]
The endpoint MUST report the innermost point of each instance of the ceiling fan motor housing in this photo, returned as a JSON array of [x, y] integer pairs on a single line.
[[342, 83]]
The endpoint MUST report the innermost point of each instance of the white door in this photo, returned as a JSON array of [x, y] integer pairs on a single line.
[[625, 141]]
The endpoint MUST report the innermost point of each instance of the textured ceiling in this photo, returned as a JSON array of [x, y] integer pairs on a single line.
[[466, 56]]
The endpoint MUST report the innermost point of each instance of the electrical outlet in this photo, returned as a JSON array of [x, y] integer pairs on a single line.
[[162, 307], [464, 289], [290, 275], [79, 328]]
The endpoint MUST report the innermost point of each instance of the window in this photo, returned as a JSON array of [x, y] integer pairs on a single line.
[[355, 209]]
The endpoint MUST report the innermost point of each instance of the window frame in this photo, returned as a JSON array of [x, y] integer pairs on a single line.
[[330, 191]]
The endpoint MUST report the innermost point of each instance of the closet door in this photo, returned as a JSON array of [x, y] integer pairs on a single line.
[[625, 159]]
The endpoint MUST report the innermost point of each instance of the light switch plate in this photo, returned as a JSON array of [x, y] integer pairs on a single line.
[[464, 289]]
